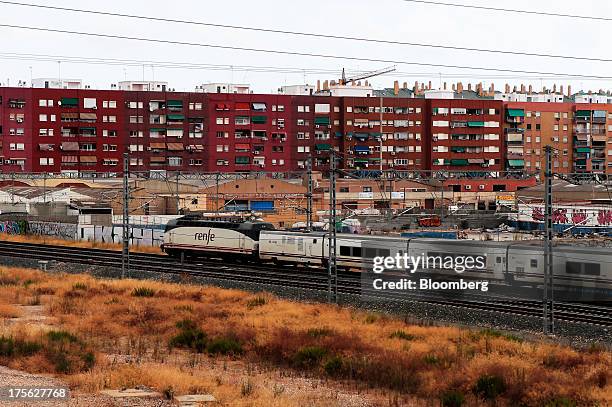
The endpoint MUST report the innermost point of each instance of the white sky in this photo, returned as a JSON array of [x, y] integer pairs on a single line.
[[380, 19]]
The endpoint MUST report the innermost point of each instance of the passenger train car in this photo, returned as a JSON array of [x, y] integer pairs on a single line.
[[579, 271]]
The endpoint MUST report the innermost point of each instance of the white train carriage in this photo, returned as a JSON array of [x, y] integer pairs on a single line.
[[200, 238], [580, 273]]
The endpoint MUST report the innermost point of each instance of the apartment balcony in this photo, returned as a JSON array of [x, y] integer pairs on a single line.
[[514, 130]]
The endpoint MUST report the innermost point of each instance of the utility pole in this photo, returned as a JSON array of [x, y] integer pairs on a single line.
[[217, 193], [332, 270], [381, 134], [125, 254], [309, 194], [548, 298], [178, 197]]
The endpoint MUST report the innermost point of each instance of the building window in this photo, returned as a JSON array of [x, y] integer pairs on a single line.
[[175, 161], [42, 117]]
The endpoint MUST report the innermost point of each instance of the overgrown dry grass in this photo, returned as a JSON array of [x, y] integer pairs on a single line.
[[75, 243], [183, 338]]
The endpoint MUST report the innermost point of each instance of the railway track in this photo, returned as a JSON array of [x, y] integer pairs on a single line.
[[292, 277]]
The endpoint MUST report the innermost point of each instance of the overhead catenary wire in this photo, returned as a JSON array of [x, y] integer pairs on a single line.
[[292, 53], [303, 33], [508, 10]]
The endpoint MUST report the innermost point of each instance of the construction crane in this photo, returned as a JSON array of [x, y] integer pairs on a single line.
[[365, 75]]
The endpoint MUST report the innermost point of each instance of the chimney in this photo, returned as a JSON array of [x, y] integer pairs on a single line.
[[444, 85], [514, 89], [469, 86], [492, 89], [429, 85], [405, 86], [555, 88], [325, 85], [396, 88], [569, 90], [459, 87], [415, 89], [454, 88], [522, 88], [544, 90], [507, 89], [530, 89], [422, 86], [366, 83], [561, 89], [318, 85]]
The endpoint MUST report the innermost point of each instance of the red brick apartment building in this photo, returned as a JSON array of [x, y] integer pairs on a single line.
[[80, 131]]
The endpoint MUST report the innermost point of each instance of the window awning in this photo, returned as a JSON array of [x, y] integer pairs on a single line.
[[69, 101], [157, 130], [599, 138], [243, 146], [600, 113], [362, 136], [515, 113], [70, 159], [175, 117], [45, 147], [175, 146], [70, 116], [158, 146], [376, 135], [242, 106], [583, 149], [88, 116], [514, 137], [360, 160], [458, 162], [90, 159], [242, 160], [259, 106], [70, 146], [322, 147], [581, 137], [259, 119], [338, 134], [361, 149], [157, 160], [476, 161], [475, 124], [458, 149], [516, 163], [175, 103], [323, 121], [583, 113]]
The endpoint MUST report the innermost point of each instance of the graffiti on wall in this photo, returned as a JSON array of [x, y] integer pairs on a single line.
[[14, 227], [55, 229]]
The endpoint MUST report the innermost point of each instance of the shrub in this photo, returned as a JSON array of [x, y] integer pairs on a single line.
[[10, 347], [61, 336], [257, 302], [560, 402], [190, 337], [225, 346], [494, 333], [452, 398], [489, 386], [6, 280], [79, 286], [246, 389], [334, 366], [143, 292], [431, 359], [309, 356], [319, 332], [402, 335]]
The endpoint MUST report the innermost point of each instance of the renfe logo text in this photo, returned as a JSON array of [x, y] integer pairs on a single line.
[[209, 236]]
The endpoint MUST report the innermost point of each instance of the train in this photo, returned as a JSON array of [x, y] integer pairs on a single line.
[[578, 271]]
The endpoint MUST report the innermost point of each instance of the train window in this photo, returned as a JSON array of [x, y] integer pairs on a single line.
[[591, 269], [534, 263], [345, 250], [300, 243], [356, 251], [369, 253], [498, 259], [384, 252], [314, 241]]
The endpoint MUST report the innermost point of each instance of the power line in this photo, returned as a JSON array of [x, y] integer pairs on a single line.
[[308, 34], [242, 68], [293, 53], [507, 10]]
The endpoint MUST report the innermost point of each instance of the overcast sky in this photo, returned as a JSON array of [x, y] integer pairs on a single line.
[[376, 19]]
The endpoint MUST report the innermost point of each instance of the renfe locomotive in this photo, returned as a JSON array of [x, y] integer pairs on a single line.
[[584, 270]]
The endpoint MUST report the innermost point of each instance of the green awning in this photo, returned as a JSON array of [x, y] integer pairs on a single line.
[[374, 158], [323, 121], [516, 163], [88, 128], [515, 113], [157, 130], [259, 119], [475, 124], [175, 117], [361, 160], [376, 135], [70, 101], [362, 136], [175, 103], [583, 113], [458, 149], [322, 147], [583, 149], [242, 160], [459, 162]]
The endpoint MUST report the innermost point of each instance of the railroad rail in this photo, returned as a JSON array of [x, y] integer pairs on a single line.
[[292, 277]]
